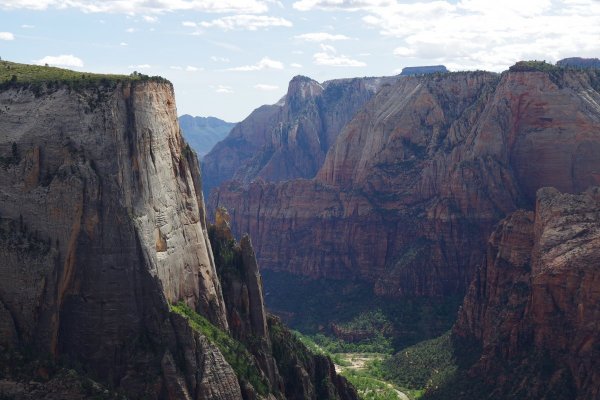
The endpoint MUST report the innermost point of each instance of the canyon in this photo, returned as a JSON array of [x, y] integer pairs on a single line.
[[415, 182]]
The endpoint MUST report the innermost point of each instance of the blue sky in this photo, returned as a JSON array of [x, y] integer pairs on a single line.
[[227, 57]]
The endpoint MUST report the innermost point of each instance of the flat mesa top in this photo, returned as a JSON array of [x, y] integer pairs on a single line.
[[16, 73]]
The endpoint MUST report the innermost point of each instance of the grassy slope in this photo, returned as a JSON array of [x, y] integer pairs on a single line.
[[234, 352], [15, 74]]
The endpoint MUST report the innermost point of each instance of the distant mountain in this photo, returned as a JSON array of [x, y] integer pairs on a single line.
[[428, 69], [289, 139], [578, 62], [202, 133]]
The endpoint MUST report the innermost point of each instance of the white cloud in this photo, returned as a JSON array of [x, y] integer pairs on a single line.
[[6, 36], [321, 37], [189, 24], [191, 68], [143, 6], [130, 30], [219, 59], [64, 60], [470, 34], [296, 65], [140, 66], [265, 88], [176, 67], [246, 22], [27, 26], [328, 56], [347, 5], [223, 89], [123, 44], [150, 19], [404, 51], [264, 63]]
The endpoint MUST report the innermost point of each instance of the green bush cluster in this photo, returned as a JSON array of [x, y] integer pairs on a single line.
[[532, 66], [235, 353], [427, 364]]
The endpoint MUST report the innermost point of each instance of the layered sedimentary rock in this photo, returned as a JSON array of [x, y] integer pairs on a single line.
[[289, 139], [534, 306], [416, 181]]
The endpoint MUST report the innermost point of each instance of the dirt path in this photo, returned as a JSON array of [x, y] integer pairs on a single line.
[[358, 361]]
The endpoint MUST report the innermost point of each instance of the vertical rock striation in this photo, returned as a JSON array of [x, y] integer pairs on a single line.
[[289, 139], [416, 181], [102, 225], [291, 371], [106, 258], [534, 306]]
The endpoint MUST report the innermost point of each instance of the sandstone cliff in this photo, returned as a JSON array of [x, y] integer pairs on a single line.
[[290, 370], [534, 306], [289, 139], [104, 242], [108, 200], [416, 181]]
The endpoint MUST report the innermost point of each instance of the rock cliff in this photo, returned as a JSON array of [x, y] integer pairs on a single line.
[[417, 180], [107, 263], [534, 305], [289, 139], [103, 225], [290, 370]]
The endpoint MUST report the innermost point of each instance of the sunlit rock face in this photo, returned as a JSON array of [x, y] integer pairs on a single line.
[[415, 182], [289, 139], [103, 224]]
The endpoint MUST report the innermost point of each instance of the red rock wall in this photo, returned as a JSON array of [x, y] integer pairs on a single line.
[[414, 184], [535, 304]]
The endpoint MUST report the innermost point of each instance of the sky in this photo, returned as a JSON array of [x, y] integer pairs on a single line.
[[228, 57]]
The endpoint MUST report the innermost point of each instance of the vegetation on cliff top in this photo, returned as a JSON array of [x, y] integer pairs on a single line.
[[24, 75], [533, 66]]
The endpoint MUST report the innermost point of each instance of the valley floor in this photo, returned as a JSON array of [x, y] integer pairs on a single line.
[[356, 367]]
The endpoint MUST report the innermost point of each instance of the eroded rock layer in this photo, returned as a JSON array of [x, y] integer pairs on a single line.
[[534, 306], [417, 180], [289, 139]]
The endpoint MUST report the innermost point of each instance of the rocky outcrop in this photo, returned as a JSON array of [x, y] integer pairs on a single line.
[[202, 133], [103, 224], [291, 371], [430, 69], [534, 306], [417, 180], [289, 139]]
